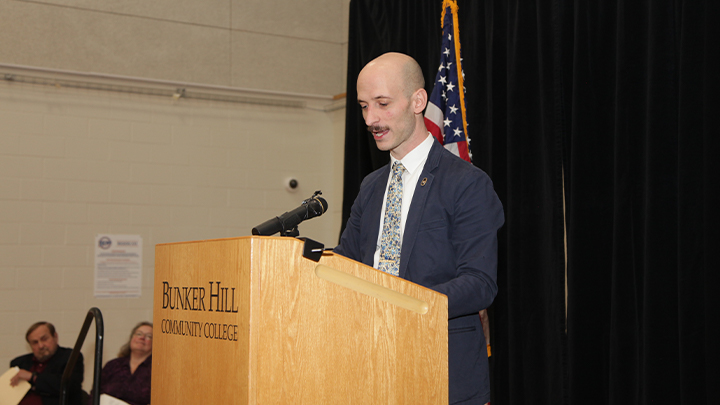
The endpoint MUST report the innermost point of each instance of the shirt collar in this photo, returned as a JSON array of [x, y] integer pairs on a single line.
[[414, 159]]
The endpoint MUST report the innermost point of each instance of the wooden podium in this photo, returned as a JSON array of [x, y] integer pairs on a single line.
[[252, 321]]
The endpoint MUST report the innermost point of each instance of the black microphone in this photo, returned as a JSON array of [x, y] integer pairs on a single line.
[[310, 208]]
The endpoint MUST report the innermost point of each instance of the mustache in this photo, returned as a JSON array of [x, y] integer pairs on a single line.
[[377, 128]]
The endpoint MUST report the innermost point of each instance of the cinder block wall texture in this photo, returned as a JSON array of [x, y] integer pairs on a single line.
[[75, 163]]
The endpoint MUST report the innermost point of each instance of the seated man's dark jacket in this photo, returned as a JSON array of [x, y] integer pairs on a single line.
[[47, 383], [449, 245]]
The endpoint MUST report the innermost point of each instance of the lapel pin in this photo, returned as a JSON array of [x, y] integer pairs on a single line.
[[422, 183]]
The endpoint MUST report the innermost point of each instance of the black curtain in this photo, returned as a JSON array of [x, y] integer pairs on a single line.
[[619, 101], [643, 195]]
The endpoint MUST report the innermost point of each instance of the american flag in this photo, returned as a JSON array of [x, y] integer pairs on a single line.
[[445, 114]]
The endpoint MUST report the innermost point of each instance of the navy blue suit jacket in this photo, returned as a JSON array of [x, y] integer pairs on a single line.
[[449, 245]]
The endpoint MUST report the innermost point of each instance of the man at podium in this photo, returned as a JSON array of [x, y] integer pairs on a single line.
[[428, 217]]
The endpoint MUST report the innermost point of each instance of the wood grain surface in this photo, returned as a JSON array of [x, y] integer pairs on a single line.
[[283, 334]]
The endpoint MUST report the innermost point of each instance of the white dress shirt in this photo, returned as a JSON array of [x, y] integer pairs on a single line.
[[414, 163]]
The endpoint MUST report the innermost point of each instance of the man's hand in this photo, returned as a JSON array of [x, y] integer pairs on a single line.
[[21, 375]]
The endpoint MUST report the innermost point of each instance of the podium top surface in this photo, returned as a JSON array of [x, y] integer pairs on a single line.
[[225, 239]]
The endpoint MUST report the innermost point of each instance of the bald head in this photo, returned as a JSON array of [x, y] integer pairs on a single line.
[[397, 68], [392, 97]]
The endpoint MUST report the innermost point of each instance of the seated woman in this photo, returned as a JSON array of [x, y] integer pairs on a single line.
[[128, 376]]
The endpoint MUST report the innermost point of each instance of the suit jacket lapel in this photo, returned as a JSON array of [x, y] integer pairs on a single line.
[[417, 207]]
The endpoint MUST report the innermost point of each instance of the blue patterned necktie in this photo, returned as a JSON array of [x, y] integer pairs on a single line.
[[390, 239]]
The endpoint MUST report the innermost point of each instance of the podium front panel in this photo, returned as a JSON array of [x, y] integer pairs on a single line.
[[251, 321]]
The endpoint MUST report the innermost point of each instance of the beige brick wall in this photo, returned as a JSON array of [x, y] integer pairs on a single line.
[[285, 45], [75, 163]]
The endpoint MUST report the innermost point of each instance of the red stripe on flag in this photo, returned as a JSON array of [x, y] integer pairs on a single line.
[[463, 151], [434, 130]]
